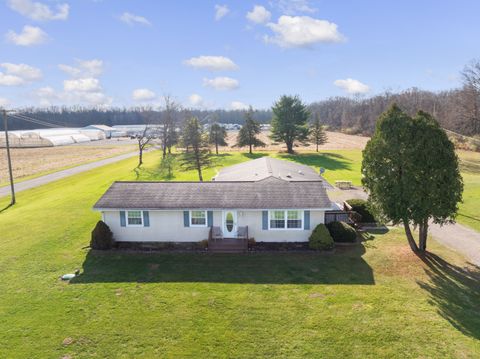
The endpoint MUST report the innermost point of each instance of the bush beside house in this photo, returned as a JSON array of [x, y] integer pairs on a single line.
[[342, 232], [320, 238], [102, 237], [361, 207]]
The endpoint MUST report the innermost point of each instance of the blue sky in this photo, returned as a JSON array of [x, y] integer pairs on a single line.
[[228, 54]]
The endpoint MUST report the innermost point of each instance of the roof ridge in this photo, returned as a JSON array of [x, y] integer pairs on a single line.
[[269, 166]]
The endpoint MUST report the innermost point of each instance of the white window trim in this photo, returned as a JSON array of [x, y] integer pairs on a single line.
[[198, 225], [302, 218], [134, 225]]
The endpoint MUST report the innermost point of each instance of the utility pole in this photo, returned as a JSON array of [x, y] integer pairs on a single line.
[[7, 143]]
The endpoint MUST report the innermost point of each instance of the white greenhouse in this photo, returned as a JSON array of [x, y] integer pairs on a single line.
[[50, 137]]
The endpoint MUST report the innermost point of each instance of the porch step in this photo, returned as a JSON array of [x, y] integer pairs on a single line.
[[227, 245]]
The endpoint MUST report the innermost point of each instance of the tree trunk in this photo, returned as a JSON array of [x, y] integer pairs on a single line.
[[140, 155], [199, 167], [250, 148], [169, 150], [411, 240], [317, 146], [216, 148], [423, 234], [289, 147], [164, 149]]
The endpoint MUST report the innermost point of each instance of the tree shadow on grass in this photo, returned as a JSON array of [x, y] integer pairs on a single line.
[[345, 266], [329, 161], [455, 291], [6, 207]]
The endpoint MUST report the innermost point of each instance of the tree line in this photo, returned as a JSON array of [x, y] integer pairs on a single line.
[[457, 110]]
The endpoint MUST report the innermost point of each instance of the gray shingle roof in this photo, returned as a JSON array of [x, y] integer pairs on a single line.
[[266, 194], [266, 167]]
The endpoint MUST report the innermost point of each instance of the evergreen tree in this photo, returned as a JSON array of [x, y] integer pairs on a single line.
[[289, 121], [317, 132], [247, 136], [217, 136], [411, 173], [197, 151]]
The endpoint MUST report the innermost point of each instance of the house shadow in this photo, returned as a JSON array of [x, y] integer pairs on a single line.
[[455, 291], [344, 266]]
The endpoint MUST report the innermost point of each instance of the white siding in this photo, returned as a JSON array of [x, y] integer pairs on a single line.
[[167, 226], [254, 221]]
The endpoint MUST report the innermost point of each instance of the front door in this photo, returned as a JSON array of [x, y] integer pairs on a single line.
[[229, 223]]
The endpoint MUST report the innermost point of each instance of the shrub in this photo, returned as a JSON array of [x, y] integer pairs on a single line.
[[342, 232], [203, 244], [102, 237], [320, 238], [361, 207]]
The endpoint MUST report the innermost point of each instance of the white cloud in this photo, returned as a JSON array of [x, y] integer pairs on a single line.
[[237, 105], [132, 19], [221, 83], [213, 63], [30, 35], [259, 15], [84, 88], [82, 85], [352, 86], [143, 95], [72, 95], [4, 102], [18, 74], [302, 31], [195, 100], [38, 11], [221, 11], [292, 7], [83, 68], [26, 72]]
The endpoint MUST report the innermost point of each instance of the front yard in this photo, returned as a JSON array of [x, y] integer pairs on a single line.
[[374, 300]]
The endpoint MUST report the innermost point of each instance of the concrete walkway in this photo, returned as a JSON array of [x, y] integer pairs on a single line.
[[22, 186], [459, 238]]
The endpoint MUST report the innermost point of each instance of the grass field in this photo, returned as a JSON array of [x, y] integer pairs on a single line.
[[469, 213], [376, 300], [34, 162], [339, 165]]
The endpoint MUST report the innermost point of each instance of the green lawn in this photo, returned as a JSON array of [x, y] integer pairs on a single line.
[[338, 165], [469, 213], [376, 300]]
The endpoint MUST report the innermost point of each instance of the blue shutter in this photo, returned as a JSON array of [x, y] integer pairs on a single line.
[[210, 218], [123, 221], [146, 219], [264, 219], [306, 220], [186, 218]]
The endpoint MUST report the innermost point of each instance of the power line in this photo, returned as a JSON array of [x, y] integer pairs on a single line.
[[38, 121], [32, 121]]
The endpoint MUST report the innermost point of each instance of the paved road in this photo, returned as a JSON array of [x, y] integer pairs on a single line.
[[459, 238], [455, 236], [21, 186]]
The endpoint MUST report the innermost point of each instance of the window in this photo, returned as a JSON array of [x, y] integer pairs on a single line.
[[293, 219], [134, 218], [277, 219], [290, 219], [198, 218]]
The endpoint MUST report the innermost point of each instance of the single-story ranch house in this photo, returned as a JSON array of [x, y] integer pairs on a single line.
[[267, 199]]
